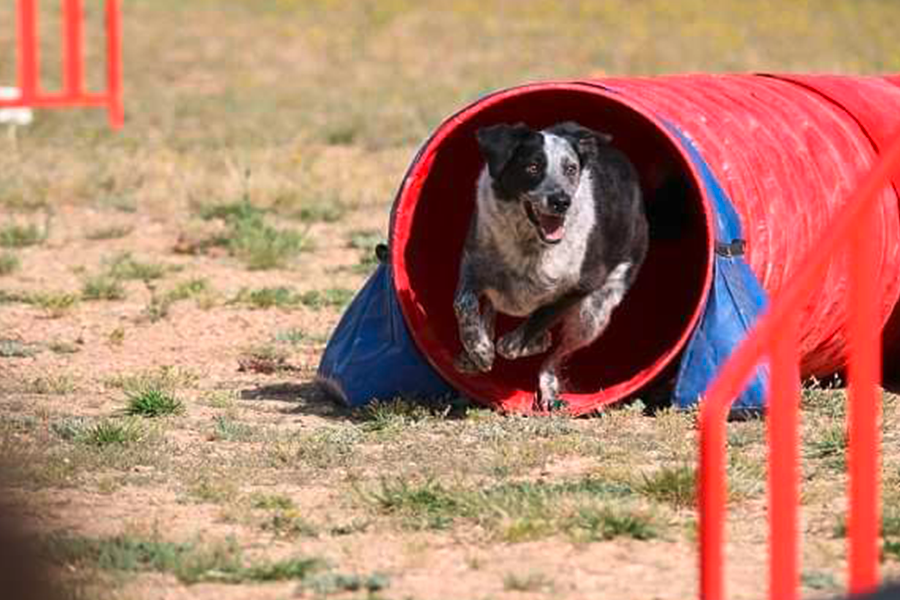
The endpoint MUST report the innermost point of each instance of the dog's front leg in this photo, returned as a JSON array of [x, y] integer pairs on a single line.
[[583, 323], [533, 336], [476, 331]]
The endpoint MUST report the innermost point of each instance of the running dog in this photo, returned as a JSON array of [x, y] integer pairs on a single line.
[[558, 236]]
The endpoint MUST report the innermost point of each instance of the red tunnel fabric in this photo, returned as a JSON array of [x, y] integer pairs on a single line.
[[788, 150]]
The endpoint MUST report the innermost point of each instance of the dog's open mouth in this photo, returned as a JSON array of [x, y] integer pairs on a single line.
[[550, 228]]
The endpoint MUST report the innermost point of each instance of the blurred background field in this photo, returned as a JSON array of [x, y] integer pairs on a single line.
[[166, 292], [273, 83]]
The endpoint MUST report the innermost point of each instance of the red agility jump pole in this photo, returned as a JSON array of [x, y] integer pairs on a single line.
[[73, 92], [775, 337]]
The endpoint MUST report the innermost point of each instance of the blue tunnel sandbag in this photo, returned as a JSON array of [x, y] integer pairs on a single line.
[[371, 356]]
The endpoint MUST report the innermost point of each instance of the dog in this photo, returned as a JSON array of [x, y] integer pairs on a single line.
[[558, 235]]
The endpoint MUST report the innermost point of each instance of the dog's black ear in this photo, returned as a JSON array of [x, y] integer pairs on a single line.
[[498, 143], [584, 140]]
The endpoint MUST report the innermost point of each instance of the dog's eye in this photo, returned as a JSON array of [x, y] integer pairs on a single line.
[[570, 170], [532, 169]]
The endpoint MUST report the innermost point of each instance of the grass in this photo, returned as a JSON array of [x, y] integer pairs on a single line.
[[393, 415], [102, 287], [891, 549], [325, 448], [289, 524], [62, 347], [271, 502], [213, 488], [818, 580], [116, 336], [261, 246], [113, 432], [191, 563], [158, 306], [426, 506], [672, 485], [54, 304], [229, 430], [517, 511], [294, 336], [51, 384], [336, 298], [14, 235], [9, 263], [161, 302], [530, 582], [111, 232], [16, 349], [124, 266], [192, 288], [251, 239], [285, 298], [323, 212], [327, 584], [607, 523], [166, 377], [153, 402], [219, 399], [365, 240], [267, 297], [265, 359], [101, 433], [829, 441], [890, 524], [329, 121]]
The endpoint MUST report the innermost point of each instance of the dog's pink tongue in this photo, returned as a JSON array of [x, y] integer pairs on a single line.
[[552, 227]]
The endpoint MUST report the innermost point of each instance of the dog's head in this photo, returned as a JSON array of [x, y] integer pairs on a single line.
[[539, 170]]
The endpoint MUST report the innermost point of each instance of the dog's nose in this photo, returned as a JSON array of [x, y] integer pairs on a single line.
[[559, 202]]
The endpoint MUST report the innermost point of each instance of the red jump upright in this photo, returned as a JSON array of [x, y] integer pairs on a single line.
[[73, 93], [852, 231]]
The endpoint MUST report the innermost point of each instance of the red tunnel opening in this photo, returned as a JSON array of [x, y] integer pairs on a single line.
[[652, 324]]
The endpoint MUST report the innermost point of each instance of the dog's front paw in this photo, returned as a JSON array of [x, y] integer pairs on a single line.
[[463, 364], [511, 346], [477, 359]]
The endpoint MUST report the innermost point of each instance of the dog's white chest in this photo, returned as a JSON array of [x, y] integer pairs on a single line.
[[537, 279], [536, 282]]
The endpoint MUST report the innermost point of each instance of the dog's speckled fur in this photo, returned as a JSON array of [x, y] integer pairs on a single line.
[[514, 264]]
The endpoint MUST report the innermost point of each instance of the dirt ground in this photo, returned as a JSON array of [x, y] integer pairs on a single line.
[[166, 293]]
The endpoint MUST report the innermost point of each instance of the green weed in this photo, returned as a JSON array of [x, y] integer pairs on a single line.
[[55, 304], [14, 235], [16, 349], [675, 486], [153, 402], [328, 298], [229, 430], [9, 263], [102, 287], [189, 562], [112, 232], [125, 266]]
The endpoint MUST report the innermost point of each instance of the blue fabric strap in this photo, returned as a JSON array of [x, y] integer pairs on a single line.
[[735, 301]]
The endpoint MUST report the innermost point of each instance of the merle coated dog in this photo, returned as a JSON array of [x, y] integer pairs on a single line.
[[558, 236]]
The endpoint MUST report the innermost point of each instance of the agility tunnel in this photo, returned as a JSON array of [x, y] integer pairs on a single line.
[[740, 173]]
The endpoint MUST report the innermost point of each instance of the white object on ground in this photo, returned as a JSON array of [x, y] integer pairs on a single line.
[[14, 116]]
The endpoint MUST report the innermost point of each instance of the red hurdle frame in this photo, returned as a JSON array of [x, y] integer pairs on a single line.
[[73, 91], [775, 337]]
